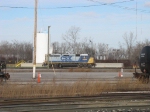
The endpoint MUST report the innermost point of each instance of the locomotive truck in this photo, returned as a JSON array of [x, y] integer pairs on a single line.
[[144, 64], [69, 60], [3, 74]]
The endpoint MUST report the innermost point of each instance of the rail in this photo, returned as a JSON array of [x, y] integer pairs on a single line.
[[101, 101]]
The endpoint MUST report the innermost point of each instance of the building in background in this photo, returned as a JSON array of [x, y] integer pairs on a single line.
[[42, 47]]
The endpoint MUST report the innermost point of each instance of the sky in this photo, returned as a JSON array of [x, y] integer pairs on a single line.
[[102, 21]]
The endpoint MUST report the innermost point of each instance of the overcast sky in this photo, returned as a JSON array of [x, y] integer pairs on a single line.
[[103, 21]]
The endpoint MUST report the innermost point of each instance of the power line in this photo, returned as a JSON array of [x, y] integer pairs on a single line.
[[84, 6], [110, 3], [52, 7], [15, 7], [123, 7]]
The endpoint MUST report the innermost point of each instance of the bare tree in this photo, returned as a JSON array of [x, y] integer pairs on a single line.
[[16, 51], [123, 52], [137, 49], [129, 42], [28, 50], [102, 51], [146, 43], [5, 47], [71, 38], [56, 47]]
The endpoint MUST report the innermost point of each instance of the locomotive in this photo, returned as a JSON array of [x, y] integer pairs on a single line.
[[144, 64], [69, 60], [3, 74]]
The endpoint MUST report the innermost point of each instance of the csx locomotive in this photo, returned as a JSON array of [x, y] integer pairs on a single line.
[[69, 60], [144, 64]]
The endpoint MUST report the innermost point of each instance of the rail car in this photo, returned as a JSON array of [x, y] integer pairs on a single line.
[[3, 75], [144, 64], [69, 60]]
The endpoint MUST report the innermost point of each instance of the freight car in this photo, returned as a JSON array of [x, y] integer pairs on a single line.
[[3, 74], [144, 64], [69, 60]]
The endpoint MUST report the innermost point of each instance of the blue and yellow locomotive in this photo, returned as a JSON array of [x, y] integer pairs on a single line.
[[69, 60]]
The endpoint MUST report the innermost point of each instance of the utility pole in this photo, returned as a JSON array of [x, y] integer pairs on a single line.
[[35, 35], [48, 49]]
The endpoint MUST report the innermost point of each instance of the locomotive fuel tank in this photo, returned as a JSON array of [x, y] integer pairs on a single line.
[[144, 59], [144, 64]]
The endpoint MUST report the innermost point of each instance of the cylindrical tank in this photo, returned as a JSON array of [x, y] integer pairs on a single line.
[[41, 47], [144, 59]]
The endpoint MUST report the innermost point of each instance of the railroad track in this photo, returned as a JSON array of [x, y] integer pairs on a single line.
[[71, 69], [78, 79], [79, 103]]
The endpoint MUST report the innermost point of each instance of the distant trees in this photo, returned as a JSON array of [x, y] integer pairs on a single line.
[[102, 51], [73, 44], [130, 41], [129, 50], [71, 39], [137, 49], [15, 50]]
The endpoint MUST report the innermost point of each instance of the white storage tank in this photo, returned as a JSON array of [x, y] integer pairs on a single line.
[[41, 47]]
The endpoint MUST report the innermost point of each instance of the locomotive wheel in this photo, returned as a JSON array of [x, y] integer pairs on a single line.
[[79, 65], [84, 65], [59, 66], [89, 66], [50, 66], [55, 66]]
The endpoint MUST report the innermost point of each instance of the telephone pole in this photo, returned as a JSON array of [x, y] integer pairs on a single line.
[[35, 35], [48, 49]]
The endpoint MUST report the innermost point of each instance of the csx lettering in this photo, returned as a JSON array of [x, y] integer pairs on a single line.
[[66, 58]]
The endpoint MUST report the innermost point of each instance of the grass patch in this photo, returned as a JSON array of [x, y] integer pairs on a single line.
[[81, 87]]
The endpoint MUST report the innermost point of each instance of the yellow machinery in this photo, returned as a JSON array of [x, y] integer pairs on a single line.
[[19, 63]]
